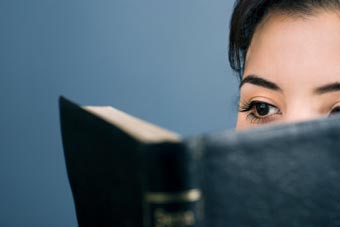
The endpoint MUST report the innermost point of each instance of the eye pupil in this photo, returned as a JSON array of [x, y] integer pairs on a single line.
[[262, 109]]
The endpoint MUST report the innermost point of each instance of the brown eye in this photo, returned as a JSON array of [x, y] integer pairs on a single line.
[[262, 109], [259, 111], [335, 110]]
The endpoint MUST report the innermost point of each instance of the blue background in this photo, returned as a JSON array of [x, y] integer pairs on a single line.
[[163, 61]]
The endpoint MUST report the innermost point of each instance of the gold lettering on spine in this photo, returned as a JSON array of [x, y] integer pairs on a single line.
[[173, 219]]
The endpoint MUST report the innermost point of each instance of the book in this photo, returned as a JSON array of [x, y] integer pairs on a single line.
[[124, 172]]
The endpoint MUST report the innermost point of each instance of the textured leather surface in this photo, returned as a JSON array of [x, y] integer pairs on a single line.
[[273, 176]]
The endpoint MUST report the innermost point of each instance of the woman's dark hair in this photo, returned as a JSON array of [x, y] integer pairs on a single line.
[[248, 14]]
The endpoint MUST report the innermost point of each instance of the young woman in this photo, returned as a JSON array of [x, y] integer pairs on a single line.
[[287, 55]]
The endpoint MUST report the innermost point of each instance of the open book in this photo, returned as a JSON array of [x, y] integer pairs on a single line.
[[126, 172]]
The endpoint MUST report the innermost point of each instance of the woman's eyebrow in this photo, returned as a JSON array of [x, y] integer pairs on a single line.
[[327, 88], [256, 80]]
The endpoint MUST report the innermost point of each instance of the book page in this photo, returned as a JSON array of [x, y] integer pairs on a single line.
[[137, 128]]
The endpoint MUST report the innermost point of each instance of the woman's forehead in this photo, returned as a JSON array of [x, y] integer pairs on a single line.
[[289, 48]]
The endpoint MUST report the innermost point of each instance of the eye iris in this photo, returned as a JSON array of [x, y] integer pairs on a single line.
[[262, 109]]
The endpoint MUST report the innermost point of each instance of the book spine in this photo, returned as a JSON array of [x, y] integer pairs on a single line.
[[172, 195]]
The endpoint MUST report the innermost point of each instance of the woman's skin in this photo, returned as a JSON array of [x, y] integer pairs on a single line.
[[292, 70]]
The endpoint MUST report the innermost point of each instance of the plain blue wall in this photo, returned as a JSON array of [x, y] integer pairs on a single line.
[[163, 61]]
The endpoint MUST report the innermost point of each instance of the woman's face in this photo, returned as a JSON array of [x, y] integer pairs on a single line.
[[292, 70]]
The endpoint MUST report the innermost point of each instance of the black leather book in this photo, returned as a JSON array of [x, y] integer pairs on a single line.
[[127, 172]]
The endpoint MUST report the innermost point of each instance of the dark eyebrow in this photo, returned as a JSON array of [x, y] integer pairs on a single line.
[[327, 88], [256, 80]]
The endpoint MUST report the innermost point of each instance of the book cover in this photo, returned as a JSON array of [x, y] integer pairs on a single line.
[[126, 172]]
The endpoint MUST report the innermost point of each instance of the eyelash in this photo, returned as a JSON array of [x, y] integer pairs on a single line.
[[253, 116], [254, 119], [335, 110]]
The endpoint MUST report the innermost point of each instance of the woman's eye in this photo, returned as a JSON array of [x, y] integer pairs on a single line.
[[260, 112], [335, 110], [264, 109]]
